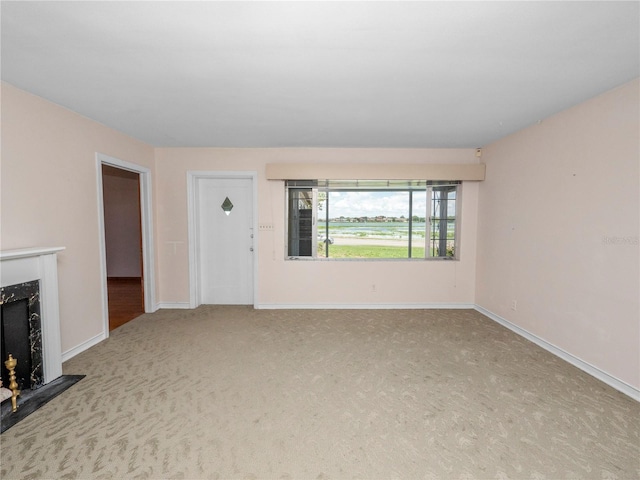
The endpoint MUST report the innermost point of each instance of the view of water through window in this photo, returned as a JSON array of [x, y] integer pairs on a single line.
[[372, 224]]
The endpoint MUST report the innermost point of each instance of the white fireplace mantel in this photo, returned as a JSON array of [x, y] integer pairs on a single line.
[[28, 264]]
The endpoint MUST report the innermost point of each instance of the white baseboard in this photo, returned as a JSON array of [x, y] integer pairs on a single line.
[[363, 306], [610, 380], [178, 305], [83, 346]]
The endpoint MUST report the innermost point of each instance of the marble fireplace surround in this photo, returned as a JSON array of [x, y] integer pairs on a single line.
[[29, 264]]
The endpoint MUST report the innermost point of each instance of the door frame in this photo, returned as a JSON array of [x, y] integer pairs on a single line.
[[192, 218], [146, 224]]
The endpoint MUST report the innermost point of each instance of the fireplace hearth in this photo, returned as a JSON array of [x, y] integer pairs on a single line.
[[31, 400]]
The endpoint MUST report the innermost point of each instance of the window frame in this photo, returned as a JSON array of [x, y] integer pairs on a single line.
[[427, 186]]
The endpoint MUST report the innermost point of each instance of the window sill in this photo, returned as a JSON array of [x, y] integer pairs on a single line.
[[415, 260]]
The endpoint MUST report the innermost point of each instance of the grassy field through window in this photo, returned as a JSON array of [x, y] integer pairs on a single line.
[[369, 251], [378, 240]]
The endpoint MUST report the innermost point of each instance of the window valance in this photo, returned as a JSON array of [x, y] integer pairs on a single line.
[[375, 171]]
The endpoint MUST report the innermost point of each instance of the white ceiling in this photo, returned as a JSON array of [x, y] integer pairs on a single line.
[[319, 74]]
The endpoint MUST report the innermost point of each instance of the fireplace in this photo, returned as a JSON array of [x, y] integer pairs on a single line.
[[21, 333], [29, 282], [30, 333]]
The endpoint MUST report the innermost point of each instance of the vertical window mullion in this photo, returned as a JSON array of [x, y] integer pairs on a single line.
[[444, 222], [427, 221], [430, 226], [314, 223], [294, 223], [326, 216], [458, 208], [410, 221]]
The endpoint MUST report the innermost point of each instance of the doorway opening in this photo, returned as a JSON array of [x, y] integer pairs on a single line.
[[126, 241], [123, 242]]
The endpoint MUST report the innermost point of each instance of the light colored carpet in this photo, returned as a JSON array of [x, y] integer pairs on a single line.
[[232, 392]]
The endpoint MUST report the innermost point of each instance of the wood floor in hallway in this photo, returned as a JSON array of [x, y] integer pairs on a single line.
[[126, 300]]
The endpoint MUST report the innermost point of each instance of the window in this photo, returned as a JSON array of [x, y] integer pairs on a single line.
[[341, 219]]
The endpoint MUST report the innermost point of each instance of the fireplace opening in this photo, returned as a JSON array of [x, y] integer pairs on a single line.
[[21, 333]]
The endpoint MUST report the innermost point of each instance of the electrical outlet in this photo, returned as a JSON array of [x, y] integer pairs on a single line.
[[373, 287], [514, 305]]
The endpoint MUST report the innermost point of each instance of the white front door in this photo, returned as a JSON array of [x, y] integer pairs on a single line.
[[225, 240]]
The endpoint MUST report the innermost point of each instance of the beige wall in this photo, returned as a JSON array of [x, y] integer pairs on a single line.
[[558, 231], [284, 282], [49, 197]]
